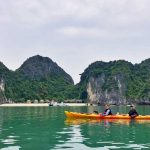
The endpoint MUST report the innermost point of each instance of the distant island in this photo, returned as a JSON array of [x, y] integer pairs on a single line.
[[114, 82]]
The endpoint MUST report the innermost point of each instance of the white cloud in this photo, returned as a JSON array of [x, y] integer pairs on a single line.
[[81, 32], [94, 33], [37, 11]]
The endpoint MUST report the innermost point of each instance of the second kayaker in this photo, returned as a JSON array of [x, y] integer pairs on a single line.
[[133, 113]]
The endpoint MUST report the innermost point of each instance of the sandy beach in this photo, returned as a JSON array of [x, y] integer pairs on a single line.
[[40, 104]]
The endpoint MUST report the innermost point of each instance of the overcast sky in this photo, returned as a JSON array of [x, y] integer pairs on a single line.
[[74, 33]]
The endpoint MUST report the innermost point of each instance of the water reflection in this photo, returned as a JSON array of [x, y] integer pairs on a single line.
[[75, 141], [47, 128], [112, 134], [106, 122], [11, 148], [32, 128]]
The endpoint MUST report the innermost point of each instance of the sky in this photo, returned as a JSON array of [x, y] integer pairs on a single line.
[[74, 33]]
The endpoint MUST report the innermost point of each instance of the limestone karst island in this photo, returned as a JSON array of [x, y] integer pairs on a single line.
[[41, 79]]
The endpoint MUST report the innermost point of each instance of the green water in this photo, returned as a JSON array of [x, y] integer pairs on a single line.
[[46, 128]]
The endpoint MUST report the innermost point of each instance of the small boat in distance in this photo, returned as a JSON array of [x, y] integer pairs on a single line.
[[57, 104]]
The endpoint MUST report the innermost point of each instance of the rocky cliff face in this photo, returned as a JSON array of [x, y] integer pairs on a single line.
[[3, 98], [97, 94], [4, 72]]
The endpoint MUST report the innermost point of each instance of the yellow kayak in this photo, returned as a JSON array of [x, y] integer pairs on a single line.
[[98, 116]]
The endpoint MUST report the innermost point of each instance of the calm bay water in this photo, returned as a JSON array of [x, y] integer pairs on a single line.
[[46, 128]]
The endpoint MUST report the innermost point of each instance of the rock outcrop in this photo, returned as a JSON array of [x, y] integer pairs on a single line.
[[117, 82], [38, 67]]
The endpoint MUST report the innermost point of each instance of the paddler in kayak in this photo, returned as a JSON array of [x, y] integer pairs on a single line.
[[107, 110], [133, 113]]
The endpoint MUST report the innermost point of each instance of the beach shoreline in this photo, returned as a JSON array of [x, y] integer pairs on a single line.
[[39, 104]]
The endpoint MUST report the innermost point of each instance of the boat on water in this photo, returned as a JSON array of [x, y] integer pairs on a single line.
[[98, 116], [57, 104]]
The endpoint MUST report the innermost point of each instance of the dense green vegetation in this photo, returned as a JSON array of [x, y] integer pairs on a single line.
[[41, 78], [38, 78], [52, 88]]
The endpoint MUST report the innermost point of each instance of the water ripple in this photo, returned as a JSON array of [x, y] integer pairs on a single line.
[[8, 141], [11, 148]]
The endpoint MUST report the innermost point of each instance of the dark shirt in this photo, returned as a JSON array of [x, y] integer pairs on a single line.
[[133, 113], [107, 112]]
